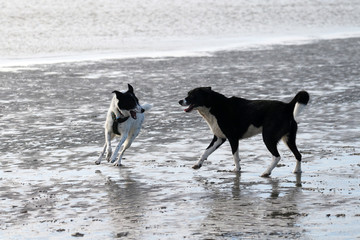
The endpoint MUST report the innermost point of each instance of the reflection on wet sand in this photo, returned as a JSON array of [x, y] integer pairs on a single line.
[[126, 203], [261, 207]]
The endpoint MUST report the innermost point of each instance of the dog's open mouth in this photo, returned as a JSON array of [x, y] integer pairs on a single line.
[[190, 108], [133, 114]]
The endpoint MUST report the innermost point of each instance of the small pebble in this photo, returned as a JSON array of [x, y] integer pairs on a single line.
[[77, 234], [122, 234]]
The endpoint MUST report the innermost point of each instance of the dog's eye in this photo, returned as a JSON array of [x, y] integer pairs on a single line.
[[135, 98]]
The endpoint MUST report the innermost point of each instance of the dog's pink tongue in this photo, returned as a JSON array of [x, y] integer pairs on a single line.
[[189, 108], [133, 114]]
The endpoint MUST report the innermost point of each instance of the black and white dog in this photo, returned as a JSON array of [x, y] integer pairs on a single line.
[[237, 118], [124, 119]]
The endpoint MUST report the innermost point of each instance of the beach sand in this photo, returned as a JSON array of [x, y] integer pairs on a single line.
[[52, 120]]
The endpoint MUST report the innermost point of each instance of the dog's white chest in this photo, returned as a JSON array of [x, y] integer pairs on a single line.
[[212, 122], [252, 131]]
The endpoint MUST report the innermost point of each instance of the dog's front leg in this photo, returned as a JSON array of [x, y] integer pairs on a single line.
[[215, 144], [113, 158], [235, 151], [237, 161], [125, 146]]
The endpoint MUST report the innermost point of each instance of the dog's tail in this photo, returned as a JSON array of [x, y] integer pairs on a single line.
[[299, 102], [146, 107]]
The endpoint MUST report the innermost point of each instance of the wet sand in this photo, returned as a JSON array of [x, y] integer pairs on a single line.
[[52, 118]]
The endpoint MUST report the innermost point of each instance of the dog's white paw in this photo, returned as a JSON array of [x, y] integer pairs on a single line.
[[112, 160], [297, 167], [117, 164], [108, 157]]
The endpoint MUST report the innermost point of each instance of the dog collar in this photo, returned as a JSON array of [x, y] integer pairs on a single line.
[[119, 119], [116, 122]]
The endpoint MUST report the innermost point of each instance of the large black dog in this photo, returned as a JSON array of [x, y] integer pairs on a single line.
[[237, 118]]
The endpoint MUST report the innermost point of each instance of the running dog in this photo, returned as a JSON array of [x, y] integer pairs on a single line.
[[238, 118], [124, 119]]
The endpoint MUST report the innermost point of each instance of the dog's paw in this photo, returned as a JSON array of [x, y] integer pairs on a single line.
[[108, 156], [116, 164], [196, 166], [97, 162], [236, 170], [266, 175]]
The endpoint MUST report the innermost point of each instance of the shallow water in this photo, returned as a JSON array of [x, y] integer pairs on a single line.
[[52, 132], [38, 30]]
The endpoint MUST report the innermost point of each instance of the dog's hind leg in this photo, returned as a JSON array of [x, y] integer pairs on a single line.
[[106, 148], [215, 144], [108, 137], [275, 161], [290, 141], [271, 144], [97, 162]]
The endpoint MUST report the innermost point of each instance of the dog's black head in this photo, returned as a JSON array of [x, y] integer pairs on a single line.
[[198, 97], [128, 103]]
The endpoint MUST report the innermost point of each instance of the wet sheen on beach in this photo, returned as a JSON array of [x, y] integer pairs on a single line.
[[52, 132]]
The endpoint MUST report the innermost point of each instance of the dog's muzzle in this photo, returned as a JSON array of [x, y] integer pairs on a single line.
[[133, 112], [183, 102]]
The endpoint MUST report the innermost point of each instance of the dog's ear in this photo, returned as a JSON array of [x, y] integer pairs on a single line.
[[118, 94], [131, 89]]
